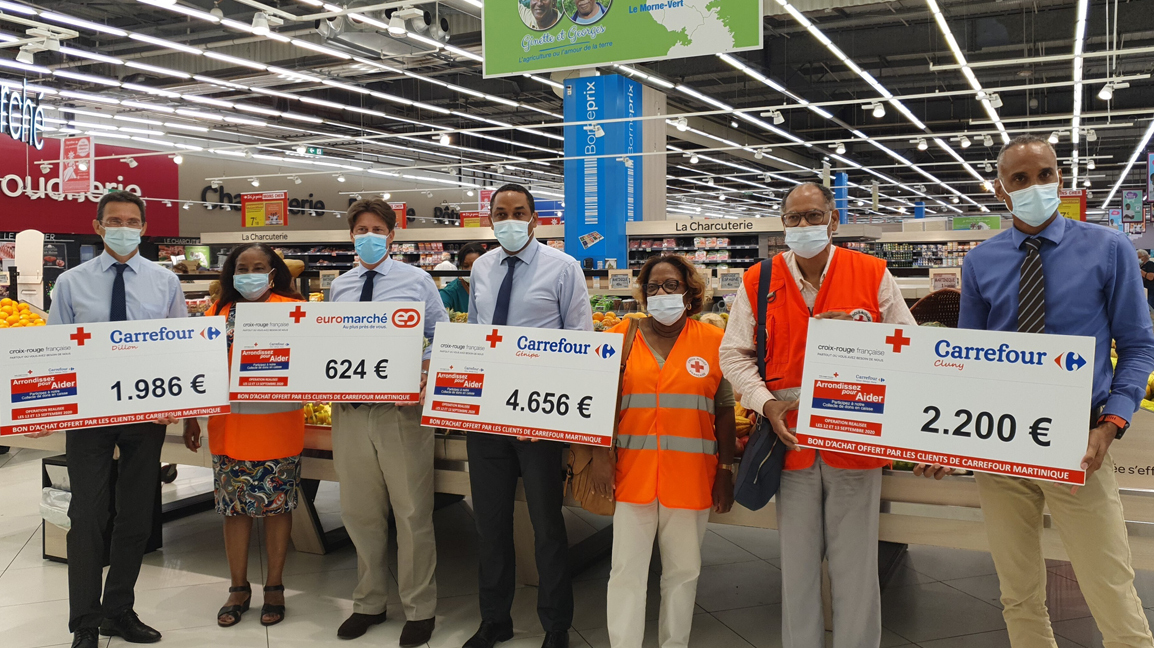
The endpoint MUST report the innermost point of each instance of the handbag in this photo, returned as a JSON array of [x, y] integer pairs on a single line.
[[759, 475], [581, 457]]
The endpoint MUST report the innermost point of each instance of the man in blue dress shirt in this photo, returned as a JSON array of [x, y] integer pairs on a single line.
[[116, 286], [383, 456], [1058, 276], [522, 283]]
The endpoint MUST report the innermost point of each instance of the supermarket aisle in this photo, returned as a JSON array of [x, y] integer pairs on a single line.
[[939, 599]]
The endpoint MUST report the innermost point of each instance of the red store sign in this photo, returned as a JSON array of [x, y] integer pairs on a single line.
[[32, 199]]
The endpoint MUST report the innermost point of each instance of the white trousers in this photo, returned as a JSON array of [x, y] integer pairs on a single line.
[[831, 513], [679, 534]]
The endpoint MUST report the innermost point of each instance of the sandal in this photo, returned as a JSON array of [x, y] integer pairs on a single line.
[[235, 612], [270, 610]]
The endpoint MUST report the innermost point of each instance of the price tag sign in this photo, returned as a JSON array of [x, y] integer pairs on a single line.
[[1006, 403], [542, 383], [357, 352], [730, 280], [620, 279], [112, 373]]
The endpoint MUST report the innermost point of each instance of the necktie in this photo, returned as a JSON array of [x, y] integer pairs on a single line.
[[119, 310], [501, 311], [1032, 290], [367, 288]]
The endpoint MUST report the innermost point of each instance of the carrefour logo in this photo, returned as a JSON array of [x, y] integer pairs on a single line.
[[162, 334], [605, 351], [210, 333], [524, 343], [1070, 361]]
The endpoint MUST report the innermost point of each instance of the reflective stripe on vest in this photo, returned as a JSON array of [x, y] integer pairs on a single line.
[[675, 444], [671, 401], [247, 407]]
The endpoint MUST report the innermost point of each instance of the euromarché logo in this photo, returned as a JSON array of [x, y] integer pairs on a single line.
[[543, 35]]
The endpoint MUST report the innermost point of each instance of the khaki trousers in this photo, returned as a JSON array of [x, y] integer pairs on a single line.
[[1093, 531], [384, 459], [679, 533]]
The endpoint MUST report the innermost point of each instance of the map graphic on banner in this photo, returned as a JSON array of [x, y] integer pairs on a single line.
[[543, 35]]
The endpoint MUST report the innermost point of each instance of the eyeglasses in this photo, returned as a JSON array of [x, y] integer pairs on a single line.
[[815, 217], [116, 222], [670, 287]]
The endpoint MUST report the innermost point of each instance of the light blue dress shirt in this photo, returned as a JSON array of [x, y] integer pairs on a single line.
[[548, 289], [84, 293], [397, 282], [1093, 288]]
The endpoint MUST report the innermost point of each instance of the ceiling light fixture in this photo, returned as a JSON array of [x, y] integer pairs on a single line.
[[397, 26], [988, 140], [45, 168], [1086, 182], [964, 141], [178, 158], [778, 118], [444, 139], [26, 55], [840, 148], [132, 163], [758, 154], [1090, 165], [1091, 135], [386, 196], [989, 168], [995, 101], [1053, 138], [1105, 94], [878, 109], [186, 206], [595, 129], [83, 166], [254, 182], [297, 180], [693, 159], [469, 193], [260, 24], [340, 177], [955, 199]]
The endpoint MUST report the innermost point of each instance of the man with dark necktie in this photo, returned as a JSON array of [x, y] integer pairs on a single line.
[[116, 286], [383, 456], [522, 283], [1058, 276]]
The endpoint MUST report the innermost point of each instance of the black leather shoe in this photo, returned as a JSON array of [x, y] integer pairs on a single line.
[[358, 624], [128, 627], [86, 638], [489, 634], [556, 640], [417, 633]]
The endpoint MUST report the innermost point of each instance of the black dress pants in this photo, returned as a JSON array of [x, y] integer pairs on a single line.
[[89, 471], [495, 463]]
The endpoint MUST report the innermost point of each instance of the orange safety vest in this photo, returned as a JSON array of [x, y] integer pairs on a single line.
[[257, 431], [666, 448], [851, 286]]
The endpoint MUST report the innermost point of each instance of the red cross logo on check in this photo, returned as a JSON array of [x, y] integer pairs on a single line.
[[80, 336], [898, 340], [297, 315], [493, 338]]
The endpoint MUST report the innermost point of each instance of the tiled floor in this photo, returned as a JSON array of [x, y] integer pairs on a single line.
[[939, 598]]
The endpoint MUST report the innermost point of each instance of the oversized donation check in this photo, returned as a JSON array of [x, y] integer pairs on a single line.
[[1006, 403], [542, 383], [358, 352], [112, 373]]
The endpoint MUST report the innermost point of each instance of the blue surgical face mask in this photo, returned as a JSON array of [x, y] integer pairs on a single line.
[[807, 242], [251, 286], [121, 240], [371, 248], [1035, 205], [512, 234]]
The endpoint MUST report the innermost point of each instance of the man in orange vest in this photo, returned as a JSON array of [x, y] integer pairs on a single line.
[[828, 502]]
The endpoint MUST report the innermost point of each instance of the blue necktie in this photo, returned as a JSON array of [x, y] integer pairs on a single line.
[[367, 287], [501, 311], [119, 310]]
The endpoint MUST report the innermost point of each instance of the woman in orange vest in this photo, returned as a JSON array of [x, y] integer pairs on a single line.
[[675, 446], [828, 502], [256, 449]]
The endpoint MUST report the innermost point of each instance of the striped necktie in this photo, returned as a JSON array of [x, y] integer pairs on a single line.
[[1032, 290]]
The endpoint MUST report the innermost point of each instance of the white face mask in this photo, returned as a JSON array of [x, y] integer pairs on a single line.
[[807, 242], [666, 309], [1035, 205]]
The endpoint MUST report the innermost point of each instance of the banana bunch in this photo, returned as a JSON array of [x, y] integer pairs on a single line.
[[318, 414]]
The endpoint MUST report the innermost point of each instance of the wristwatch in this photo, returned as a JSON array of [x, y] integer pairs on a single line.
[[1122, 424]]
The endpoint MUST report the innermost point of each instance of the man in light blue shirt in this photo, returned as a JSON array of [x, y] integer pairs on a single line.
[[119, 285], [522, 283], [383, 456]]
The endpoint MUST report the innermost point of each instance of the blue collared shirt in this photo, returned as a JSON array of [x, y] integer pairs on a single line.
[[84, 293], [397, 282], [548, 289], [1093, 288]]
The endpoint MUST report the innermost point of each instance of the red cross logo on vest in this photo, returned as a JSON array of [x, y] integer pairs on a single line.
[[898, 340], [80, 336], [297, 315], [493, 338], [697, 367]]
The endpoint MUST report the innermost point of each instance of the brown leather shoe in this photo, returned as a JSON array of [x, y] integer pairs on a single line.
[[417, 633], [358, 624]]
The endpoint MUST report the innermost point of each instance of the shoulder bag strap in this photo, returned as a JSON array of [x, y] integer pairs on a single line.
[[626, 349], [759, 315]]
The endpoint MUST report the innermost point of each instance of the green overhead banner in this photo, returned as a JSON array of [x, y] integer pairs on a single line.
[[523, 36]]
